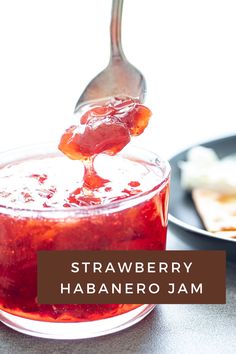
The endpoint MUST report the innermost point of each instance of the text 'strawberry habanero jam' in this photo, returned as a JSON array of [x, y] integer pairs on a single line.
[[98, 199]]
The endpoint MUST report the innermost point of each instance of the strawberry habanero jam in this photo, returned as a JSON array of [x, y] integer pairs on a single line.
[[50, 202], [105, 129]]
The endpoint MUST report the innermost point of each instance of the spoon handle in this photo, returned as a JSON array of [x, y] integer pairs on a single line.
[[115, 29]]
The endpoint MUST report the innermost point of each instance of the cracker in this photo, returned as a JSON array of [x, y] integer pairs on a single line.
[[217, 211]]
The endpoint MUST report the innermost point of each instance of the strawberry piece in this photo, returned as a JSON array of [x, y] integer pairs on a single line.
[[134, 184], [107, 135], [70, 145], [98, 112], [138, 119], [41, 178], [106, 129]]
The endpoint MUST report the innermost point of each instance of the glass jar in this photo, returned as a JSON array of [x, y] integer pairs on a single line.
[[138, 222]]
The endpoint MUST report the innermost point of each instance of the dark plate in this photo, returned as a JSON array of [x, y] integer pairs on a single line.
[[182, 213]]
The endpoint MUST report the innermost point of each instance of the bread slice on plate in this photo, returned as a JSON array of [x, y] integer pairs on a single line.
[[217, 211]]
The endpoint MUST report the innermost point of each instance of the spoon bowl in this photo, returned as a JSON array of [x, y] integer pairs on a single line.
[[120, 77]]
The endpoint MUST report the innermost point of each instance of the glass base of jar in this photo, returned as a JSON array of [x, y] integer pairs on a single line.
[[75, 330]]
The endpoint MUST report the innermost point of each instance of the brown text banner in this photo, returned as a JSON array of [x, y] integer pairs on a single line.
[[131, 277]]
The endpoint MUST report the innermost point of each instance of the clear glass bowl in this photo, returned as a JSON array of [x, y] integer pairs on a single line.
[[137, 222]]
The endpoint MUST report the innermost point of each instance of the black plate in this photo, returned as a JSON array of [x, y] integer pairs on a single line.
[[182, 213]]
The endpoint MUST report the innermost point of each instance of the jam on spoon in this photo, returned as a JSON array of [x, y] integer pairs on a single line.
[[107, 129]]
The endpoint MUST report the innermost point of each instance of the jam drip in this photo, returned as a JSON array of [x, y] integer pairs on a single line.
[[91, 179], [92, 182]]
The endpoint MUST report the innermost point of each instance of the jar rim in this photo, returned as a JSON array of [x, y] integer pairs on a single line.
[[152, 159]]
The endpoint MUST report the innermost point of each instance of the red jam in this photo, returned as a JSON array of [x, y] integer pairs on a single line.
[[60, 186], [105, 129]]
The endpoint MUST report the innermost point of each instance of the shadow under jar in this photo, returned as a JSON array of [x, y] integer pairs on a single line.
[[132, 215]]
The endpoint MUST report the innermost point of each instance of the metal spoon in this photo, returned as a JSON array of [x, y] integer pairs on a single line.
[[119, 77]]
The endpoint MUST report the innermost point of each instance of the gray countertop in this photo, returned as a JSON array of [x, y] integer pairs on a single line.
[[168, 329]]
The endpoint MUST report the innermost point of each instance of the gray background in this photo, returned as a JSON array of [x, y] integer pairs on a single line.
[[168, 329]]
